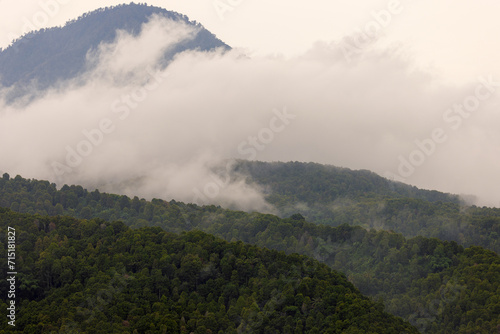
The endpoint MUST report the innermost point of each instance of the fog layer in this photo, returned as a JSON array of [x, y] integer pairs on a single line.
[[136, 128]]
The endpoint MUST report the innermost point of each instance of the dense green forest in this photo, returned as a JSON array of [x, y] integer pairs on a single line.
[[438, 286], [347, 252], [312, 182], [93, 276], [335, 196]]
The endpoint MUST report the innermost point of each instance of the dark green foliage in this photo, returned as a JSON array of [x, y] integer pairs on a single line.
[[335, 196], [416, 278], [92, 276], [312, 182]]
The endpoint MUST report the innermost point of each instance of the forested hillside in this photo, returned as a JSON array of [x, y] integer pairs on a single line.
[[336, 251], [312, 182], [437, 285], [92, 276], [45, 57], [335, 196]]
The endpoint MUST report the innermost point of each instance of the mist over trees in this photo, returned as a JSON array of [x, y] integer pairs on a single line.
[[334, 196], [438, 286], [48, 57], [344, 251]]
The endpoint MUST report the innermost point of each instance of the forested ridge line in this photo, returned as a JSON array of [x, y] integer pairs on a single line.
[[331, 195], [93, 276], [437, 285]]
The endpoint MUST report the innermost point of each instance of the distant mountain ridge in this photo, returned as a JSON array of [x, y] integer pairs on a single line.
[[50, 55], [324, 183], [335, 196]]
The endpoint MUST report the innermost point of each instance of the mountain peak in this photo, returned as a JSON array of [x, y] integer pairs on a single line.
[[47, 56]]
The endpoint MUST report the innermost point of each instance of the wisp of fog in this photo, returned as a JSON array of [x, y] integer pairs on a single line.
[[134, 126]]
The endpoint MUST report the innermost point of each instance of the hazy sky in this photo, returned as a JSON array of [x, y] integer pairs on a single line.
[[410, 90], [457, 38]]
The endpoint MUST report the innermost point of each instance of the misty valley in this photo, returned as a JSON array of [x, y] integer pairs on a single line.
[[154, 179]]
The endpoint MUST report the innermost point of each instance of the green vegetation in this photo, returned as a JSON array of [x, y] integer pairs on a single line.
[[438, 286], [335, 196], [92, 276], [312, 182]]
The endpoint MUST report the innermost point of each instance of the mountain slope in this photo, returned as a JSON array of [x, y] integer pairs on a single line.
[[93, 276], [335, 196], [420, 279], [411, 217], [313, 182], [51, 55]]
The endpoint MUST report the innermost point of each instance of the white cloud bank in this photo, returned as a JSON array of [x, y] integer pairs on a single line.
[[137, 129]]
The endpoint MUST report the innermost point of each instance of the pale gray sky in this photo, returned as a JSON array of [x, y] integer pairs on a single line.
[[383, 101], [456, 38]]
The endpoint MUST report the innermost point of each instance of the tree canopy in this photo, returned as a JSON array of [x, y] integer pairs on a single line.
[[93, 276], [419, 278]]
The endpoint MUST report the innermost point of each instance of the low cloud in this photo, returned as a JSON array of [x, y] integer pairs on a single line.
[[132, 126]]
